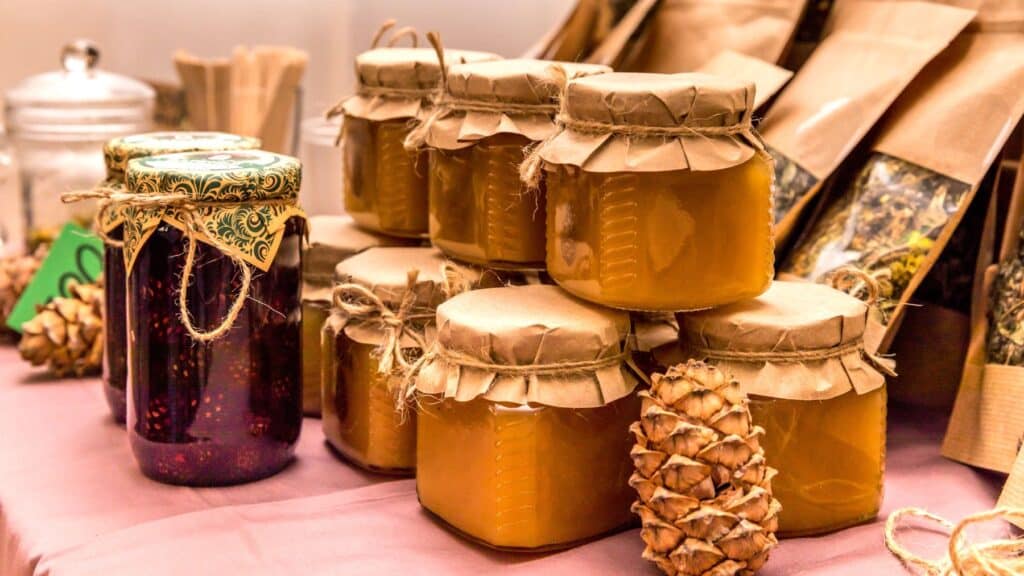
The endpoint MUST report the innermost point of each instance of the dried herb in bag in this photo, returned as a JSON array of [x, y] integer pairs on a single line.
[[927, 164], [871, 53]]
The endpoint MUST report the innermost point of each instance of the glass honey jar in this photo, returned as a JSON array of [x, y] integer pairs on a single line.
[[382, 318], [385, 185], [331, 240], [658, 192], [490, 113], [116, 154], [798, 351], [212, 246], [522, 403]]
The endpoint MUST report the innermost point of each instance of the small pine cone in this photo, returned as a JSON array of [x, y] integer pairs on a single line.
[[16, 272], [705, 494], [67, 333]]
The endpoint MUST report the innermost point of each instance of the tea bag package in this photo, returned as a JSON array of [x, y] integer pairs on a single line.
[[872, 51], [768, 78], [926, 165], [682, 35]]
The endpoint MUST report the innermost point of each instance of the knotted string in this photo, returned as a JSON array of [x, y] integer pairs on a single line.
[[186, 208], [361, 304], [852, 280], [1003, 557]]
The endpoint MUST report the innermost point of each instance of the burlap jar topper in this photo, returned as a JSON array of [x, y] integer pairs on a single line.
[[623, 122], [119, 151], [483, 99], [797, 341], [331, 240], [394, 83], [528, 345], [386, 297]]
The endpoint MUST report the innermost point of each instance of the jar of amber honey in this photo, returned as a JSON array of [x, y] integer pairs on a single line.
[[489, 113], [331, 240], [212, 244], [383, 316], [116, 154], [522, 403], [658, 192], [798, 351], [385, 185]]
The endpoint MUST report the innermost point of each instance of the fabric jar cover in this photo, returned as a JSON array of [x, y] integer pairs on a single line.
[[119, 151], [519, 97], [529, 344], [797, 341], [397, 83], [631, 122]]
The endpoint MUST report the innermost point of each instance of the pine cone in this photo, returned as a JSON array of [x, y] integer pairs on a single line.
[[705, 491], [67, 333], [15, 274]]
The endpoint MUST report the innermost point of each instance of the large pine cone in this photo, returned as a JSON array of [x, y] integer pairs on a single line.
[[67, 333], [705, 491]]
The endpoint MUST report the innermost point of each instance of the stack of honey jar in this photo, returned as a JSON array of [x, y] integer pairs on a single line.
[[525, 243], [568, 209]]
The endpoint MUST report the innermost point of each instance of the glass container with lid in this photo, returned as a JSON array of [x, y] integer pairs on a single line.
[[58, 123]]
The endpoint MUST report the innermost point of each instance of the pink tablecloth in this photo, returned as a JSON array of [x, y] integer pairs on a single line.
[[72, 502]]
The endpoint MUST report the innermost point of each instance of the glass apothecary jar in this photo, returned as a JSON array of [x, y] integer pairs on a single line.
[[798, 351], [321, 166], [522, 403], [491, 112], [383, 317], [58, 123], [331, 240], [116, 154], [385, 185], [658, 193], [214, 385]]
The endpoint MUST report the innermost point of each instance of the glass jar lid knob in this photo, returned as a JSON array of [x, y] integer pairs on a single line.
[[79, 56]]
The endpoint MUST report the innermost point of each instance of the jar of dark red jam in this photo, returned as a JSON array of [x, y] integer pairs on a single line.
[[208, 406], [116, 154]]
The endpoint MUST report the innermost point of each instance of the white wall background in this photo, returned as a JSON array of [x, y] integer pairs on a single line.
[[138, 37]]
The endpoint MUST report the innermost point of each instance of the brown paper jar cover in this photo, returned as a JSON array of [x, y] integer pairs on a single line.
[[767, 77], [658, 192], [521, 407], [653, 101], [399, 82], [482, 128], [529, 88], [522, 326], [360, 416], [332, 238], [798, 351]]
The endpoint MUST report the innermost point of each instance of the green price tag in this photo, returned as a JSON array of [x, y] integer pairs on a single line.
[[76, 256]]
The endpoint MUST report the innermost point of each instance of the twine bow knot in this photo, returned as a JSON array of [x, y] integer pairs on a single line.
[[186, 208]]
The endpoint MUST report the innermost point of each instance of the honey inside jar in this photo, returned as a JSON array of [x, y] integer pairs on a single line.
[[360, 419], [658, 192], [313, 317], [490, 116], [528, 477], [524, 402], [480, 211], [635, 240], [385, 185], [822, 494]]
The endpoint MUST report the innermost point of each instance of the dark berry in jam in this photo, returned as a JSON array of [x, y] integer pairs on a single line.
[[115, 335], [230, 410]]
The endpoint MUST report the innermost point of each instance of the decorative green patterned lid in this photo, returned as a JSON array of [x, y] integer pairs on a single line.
[[226, 176], [117, 152]]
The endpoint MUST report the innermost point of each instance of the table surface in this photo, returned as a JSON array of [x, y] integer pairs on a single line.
[[72, 501]]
